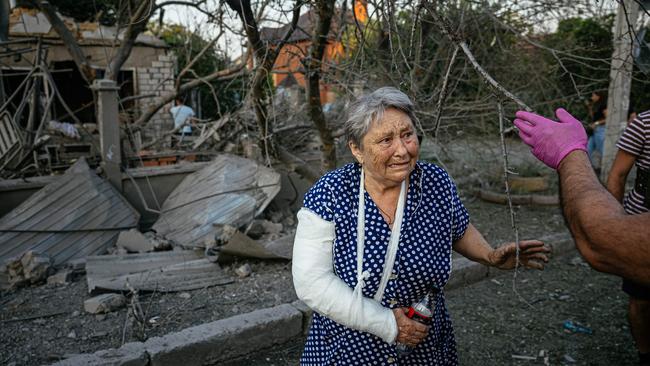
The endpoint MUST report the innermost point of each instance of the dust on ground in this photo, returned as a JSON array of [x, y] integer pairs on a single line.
[[493, 324], [61, 327]]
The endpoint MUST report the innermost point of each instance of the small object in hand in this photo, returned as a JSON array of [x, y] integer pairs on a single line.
[[422, 312], [576, 328]]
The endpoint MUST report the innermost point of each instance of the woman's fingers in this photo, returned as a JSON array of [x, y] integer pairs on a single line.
[[410, 332]]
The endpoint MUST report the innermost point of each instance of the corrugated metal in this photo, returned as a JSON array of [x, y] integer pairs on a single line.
[[231, 190], [161, 272], [77, 215]]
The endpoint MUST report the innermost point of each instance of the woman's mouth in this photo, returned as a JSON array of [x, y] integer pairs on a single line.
[[398, 165]]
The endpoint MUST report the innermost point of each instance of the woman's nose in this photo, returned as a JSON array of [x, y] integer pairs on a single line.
[[400, 149]]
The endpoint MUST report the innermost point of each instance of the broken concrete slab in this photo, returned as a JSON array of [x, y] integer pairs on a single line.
[[230, 191], [62, 277], [257, 228], [159, 271], [210, 343], [130, 354], [104, 303], [240, 245], [30, 268], [134, 241], [78, 214]]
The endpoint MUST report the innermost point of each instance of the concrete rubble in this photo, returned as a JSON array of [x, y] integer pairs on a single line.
[[62, 277], [104, 303], [30, 268], [169, 271]]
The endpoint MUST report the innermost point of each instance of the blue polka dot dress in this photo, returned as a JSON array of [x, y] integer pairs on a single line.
[[434, 218]]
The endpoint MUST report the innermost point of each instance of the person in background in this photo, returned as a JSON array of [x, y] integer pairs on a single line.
[[609, 239], [634, 149], [598, 113], [183, 115]]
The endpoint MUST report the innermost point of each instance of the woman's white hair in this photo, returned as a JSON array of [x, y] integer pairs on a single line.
[[371, 107]]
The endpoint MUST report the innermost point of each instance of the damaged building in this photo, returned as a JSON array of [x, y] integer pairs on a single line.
[[42, 89]]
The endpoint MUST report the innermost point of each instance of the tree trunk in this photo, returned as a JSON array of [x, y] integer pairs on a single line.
[[620, 83], [314, 66], [137, 24], [68, 39]]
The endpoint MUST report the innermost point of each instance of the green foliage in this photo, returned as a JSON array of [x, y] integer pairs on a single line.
[[104, 11], [218, 97]]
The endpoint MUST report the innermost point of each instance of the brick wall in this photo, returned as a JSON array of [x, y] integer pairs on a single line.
[[157, 79]]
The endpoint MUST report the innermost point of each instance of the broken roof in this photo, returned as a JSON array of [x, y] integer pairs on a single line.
[[230, 191], [305, 28], [77, 215], [25, 22]]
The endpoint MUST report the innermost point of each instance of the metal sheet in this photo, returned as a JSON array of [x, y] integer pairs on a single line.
[[230, 191], [77, 215], [160, 272]]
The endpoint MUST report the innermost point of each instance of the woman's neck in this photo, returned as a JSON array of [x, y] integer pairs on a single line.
[[374, 187]]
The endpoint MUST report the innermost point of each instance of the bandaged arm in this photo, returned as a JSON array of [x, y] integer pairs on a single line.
[[324, 292]]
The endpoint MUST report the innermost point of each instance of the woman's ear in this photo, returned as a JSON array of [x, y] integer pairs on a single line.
[[356, 152]]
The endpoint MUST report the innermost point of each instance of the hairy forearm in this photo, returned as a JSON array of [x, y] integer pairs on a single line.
[[610, 240], [473, 246]]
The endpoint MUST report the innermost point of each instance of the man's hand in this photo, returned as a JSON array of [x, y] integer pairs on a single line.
[[551, 141], [532, 254], [410, 332]]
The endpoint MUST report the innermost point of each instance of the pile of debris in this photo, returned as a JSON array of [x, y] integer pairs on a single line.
[[80, 223]]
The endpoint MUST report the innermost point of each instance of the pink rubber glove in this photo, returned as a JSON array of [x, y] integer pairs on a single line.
[[551, 141]]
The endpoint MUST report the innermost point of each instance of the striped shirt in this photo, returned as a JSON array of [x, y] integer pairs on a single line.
[[636, 141]]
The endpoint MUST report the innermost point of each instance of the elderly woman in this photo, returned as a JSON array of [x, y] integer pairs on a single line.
[[376, 236]]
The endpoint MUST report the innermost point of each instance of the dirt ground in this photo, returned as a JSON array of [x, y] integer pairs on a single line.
[[493, 324], [41, 324]]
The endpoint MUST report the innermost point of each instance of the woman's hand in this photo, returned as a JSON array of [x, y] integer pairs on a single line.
[[532, 254], [410, 332]]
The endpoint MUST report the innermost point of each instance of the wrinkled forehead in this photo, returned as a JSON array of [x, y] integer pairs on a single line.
[[390, 119]]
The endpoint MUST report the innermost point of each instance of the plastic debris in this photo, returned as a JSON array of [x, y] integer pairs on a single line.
[[576, 328]]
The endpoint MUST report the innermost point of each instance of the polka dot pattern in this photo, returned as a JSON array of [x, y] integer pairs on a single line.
[[434, 218]]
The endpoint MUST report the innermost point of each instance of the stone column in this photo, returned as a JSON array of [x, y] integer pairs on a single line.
[[109, 130]]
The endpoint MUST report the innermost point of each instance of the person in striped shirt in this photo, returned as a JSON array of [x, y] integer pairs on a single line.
[[634, 149], [610, 239]]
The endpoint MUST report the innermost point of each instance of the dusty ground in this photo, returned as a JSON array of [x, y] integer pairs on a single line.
[[43, 323], [493, 323]]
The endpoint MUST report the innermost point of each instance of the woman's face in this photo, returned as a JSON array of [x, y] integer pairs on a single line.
[[390, 148]]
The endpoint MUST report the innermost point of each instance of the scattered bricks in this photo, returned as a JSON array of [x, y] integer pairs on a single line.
[[104, 303], [62, 277], [130, 354], [210, 343]]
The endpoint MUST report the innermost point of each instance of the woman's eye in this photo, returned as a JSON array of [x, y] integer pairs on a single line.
[[386, 140]]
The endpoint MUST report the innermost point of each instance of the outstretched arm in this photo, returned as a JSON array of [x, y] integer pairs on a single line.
[[610, 240], [473, 246]]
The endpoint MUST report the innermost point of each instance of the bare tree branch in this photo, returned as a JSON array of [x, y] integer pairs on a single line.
[[220, 75]]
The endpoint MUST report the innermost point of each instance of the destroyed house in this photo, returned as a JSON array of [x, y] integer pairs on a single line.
[[145, 76]]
